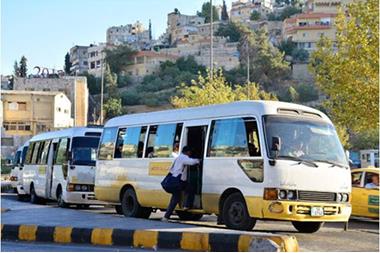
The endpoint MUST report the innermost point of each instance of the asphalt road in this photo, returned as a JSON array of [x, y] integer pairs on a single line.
[[362, 235]]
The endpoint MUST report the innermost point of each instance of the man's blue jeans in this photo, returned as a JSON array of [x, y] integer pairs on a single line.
[[176, 197]]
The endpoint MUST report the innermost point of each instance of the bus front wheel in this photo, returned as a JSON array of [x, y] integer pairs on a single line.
[[307, 227], [131, 207], [34, 199], [235, 213]]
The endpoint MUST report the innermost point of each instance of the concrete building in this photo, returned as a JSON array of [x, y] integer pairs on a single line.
[[306, 29], [147, 63], [323, 6], [225, 53], [26, 113], [75, 88], [178, 24], [369, 158], [241, 10], [135, 35], [79, 59], [96, 56]]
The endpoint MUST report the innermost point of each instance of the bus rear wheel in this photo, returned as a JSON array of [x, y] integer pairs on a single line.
[[34, 199], [60, 201], [131, 207], [183, 215], [235, 213], [118, 209], [307, 227]]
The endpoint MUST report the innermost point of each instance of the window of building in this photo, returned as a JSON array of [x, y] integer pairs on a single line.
[[92, 65], [107, 144], [92, 54], [236, 137], [85, 63], [59, 109], [304, 34], [130, 142], [17, 106], [98, 64], [41, 128], [162, 139]]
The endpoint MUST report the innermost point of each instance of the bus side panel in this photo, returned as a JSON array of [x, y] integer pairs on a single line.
[[220, 174], [29, 176], [40, 182], [58, 179]]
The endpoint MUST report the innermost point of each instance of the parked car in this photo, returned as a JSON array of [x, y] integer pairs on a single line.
[[365, 192]]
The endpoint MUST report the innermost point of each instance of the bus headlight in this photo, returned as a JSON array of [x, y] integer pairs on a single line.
[[270, 194], [345, 197], [84, 187], [282, 194], [77, 187], [339, 197], [292, 195]]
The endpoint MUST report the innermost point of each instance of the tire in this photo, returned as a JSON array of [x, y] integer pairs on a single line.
[[307, 227], [34, 199], [131, 207], [23, 197], [118, 209], [61, 203], [183, 215], [235, 213]]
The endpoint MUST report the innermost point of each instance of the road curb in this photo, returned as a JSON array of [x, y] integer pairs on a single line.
[[190, 241]]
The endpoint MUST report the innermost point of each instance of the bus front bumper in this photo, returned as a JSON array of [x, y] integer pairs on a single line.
[[84, 198], [302, 211]]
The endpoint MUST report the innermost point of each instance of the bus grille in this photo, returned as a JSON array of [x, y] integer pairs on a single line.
[[316, 196]]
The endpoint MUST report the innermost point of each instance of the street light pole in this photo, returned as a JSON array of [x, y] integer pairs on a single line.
[[211, 41], [101, 93]]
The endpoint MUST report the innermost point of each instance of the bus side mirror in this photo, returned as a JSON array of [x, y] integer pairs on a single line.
[[276, 144]]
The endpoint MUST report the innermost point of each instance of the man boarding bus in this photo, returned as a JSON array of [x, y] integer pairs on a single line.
[[259, 160]]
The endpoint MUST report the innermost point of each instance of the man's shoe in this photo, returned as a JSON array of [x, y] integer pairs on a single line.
[[185, 208]]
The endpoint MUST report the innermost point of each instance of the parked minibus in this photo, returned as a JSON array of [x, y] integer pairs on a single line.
[[259, 160], [17, 171], [60, 165]]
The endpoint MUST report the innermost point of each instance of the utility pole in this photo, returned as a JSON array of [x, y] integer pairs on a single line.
[[211, 41], [248, 63], [101, 93]]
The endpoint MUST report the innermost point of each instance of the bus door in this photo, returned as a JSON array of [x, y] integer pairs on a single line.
[[49, 170], [195, 138]]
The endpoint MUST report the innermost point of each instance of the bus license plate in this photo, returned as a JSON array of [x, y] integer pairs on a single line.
[[316, 211]]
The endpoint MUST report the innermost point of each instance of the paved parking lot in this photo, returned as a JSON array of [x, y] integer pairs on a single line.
[[363, 235]]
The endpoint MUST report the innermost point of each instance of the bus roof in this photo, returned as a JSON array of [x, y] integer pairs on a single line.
[[260, 107], [73, 131]]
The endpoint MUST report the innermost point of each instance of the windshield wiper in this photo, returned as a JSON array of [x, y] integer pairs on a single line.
[[333, 164], [299, 160]]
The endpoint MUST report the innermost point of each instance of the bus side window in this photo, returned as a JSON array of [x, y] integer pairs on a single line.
[[40, 150], [236, 137], [130, 142], [162, 139], [23, 157], [45, 153], [61, 155], [107, 144], [28, 158], [35, 153]]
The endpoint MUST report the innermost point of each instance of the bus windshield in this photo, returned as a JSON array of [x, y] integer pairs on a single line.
[[84, 150], [304, 138]]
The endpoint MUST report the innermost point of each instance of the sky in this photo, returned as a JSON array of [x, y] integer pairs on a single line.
[[45, 30]]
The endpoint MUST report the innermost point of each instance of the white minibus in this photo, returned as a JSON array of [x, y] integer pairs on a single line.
[[259, 160], [60, 165], [17, 171]]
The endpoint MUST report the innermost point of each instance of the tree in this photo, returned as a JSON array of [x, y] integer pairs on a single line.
[[307, 93], [288, 12], [368, 139], [255, 15], [206, 12], [230, 30], [267, 65], [16, 69], [23, 70], [224, 15], [113, 107], [119, 58], [215, 90], [287, 47], [68, 64], [93, 83], [348, 72], [300, 55], [110, 81]]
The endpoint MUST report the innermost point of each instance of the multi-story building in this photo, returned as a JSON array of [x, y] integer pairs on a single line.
[[241, 10], [96, 56], [178, 24], [31, 112], [75, 88], [147, 63], [78, 59], [225, 54], [323, 6], [26, 113], [306, 29], [135, 35]]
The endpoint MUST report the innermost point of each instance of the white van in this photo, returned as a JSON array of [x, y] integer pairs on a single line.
[[60, 165], [17, 171]]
